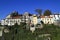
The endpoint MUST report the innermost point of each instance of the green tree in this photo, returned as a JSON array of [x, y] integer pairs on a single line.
[[0, 24], [14, 13], [42, 22], [47, 12], [39, 11]]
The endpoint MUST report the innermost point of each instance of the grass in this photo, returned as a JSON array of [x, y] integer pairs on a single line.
[[23, 34]]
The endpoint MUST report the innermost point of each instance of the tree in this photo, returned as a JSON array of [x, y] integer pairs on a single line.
[[0, 24], [39, 11], [47, 12], [14, 13], [42, 22]]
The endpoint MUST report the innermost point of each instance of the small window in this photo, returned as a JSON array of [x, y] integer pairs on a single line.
[[50, 19], [42, 19], [18, 20], [47, 19]]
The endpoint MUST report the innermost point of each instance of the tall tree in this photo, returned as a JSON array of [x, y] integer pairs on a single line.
[[39, 11], [47, 12], [14, 13]]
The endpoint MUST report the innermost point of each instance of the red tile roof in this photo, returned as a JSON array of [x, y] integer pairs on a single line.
[[45, 17], [16, 17]]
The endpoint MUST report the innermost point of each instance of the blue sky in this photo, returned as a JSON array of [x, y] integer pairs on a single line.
[[7, 6]]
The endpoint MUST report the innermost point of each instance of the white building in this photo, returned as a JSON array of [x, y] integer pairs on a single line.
[[52, 19], [47, 19], [11, 20], [26, 17], [14, 17], [56, 18]]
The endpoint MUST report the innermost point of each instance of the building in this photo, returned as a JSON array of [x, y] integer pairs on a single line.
[[56, 18], [34, 19], [26, 17], [47, 19], [38, 20], [11, 19]]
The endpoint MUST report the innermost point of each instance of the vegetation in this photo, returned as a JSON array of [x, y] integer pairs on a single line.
[[15, 13], [47, 13], [0, 23], [18, 32], [39, 11], [42, 22]]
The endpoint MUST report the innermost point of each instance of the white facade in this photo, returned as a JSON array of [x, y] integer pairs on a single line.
[[56, 17], [30, 19], [9, 16], [16, 19], [50, 19], [47, 19], [10, 21], [26, 17]]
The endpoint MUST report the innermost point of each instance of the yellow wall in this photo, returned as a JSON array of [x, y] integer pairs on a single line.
[[34, 20]]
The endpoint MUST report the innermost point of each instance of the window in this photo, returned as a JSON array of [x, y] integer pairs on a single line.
[[47, 19], [18, 20], [50, 19]]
